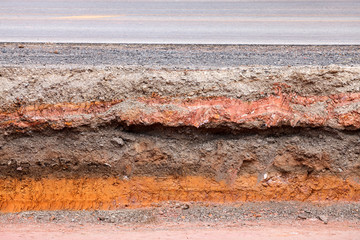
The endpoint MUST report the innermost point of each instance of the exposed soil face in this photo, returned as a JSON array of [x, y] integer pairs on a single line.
[[115, 137]]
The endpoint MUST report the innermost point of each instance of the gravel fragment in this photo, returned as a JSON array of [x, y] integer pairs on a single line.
[[323, 218], [301, 216], [118, 141]]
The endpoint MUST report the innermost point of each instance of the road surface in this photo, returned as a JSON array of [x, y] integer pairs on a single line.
[[183, 21]]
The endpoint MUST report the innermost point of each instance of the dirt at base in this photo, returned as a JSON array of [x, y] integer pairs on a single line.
[[260, 230]]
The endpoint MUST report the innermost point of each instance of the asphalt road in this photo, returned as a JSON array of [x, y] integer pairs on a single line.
[[183, 21]]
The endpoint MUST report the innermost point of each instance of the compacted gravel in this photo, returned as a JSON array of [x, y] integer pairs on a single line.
[[191, 212], [176, 56]]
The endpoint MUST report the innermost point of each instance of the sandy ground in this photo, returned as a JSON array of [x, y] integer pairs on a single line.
[[307, 229]]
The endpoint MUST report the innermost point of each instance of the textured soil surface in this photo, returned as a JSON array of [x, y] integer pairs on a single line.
[[111, 127]]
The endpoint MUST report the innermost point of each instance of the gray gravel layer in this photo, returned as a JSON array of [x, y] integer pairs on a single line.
[[176, 56], [172, 212]]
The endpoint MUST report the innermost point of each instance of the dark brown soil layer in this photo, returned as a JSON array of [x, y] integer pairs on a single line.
[[127, 151]]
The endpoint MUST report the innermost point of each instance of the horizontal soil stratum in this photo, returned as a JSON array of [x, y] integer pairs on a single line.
[[213, 127]]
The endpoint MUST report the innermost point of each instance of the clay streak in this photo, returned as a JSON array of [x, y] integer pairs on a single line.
[[337, 111]]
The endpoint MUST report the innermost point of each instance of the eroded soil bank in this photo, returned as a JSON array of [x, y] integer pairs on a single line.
[[124, 137]]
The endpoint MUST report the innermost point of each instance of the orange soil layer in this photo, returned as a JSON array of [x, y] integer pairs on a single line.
[[336, 111], [112, 193]]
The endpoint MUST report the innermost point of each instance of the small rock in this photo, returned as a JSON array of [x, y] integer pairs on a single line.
[[118, 141], [323, 218], [19, 169], [56, 52], [127, 137], [144, 88], [265, 184], [186, 206], [21, 46], [301, 216]]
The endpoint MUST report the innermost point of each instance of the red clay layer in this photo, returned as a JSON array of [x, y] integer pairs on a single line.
[[337, 111]]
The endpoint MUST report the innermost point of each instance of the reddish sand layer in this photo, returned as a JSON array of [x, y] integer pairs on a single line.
[[112, 193], [337, 111]]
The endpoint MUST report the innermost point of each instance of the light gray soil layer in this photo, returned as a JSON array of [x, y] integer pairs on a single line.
[[41, 85]]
